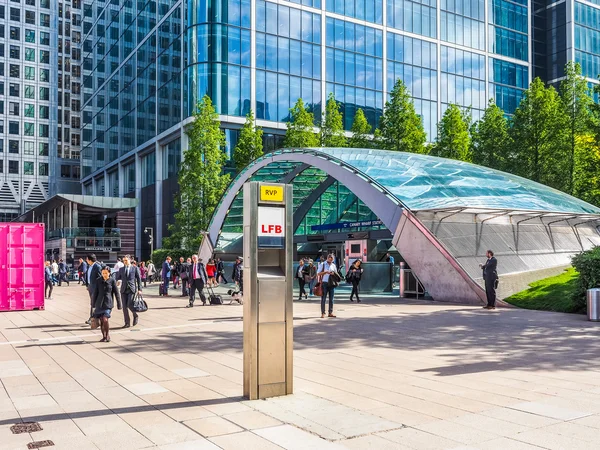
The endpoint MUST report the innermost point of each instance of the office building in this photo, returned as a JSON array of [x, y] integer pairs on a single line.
[[564, 31], [28, 103], [40, 84], [146, 64]]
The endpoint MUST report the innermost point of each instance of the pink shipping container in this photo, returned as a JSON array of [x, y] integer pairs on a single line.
[[21, 266]]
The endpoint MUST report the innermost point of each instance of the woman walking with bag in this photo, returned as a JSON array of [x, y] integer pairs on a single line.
[[104, 292], [354, 275], [330, 279]]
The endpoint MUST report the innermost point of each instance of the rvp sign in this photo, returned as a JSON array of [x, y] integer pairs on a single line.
[[271, 227], [271, 193]]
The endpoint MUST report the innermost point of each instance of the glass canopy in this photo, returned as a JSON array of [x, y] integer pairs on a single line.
[[418, 182], [424, 182]]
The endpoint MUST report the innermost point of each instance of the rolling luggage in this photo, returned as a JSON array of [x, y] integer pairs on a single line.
[[213, 299], [161, 289]]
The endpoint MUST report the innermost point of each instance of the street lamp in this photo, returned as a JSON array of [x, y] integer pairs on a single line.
[[150, 232]]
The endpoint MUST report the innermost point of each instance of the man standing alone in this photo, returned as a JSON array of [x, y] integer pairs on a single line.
[[131, 284], [490, 276], [198, 278]]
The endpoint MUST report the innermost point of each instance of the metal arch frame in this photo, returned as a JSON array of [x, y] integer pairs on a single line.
[[304, 207], [386, 207]]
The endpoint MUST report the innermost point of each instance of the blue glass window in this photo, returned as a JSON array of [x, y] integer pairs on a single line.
[[414, 16], [369, 10], [509, 43]]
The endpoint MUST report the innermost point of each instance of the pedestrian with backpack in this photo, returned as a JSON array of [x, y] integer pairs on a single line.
[[353, 277]]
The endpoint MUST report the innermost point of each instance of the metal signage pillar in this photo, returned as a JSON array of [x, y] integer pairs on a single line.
[[268, 282]]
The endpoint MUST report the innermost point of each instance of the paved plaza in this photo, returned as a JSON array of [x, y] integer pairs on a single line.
[[385, 374]]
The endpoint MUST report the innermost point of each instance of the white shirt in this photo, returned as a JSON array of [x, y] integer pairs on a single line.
[[118, 265], [324, 267], [54, 268], [300, 271]]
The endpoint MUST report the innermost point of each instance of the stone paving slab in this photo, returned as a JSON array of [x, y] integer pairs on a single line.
[[386, 374]]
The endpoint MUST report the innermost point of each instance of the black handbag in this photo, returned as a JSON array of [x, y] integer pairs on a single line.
[[139, 304], [334, 280]]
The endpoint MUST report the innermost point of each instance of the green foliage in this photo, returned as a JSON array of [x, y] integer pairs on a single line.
[[249, 146], [586, 173], [453, 140], [361, 130], [332, 127], [201, 179], [400, 127], [550, 294], [588, 265], [491, 141], [300, 129], [538, 133], [576, 102], [159, 255]]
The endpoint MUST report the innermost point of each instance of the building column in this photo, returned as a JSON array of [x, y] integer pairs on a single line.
[[138, 210], [75, 217], [158, 190], [121, 180]]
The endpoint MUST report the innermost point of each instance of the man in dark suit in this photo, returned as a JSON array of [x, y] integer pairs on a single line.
[[490, 276], [92, 275], [197, 278], [82, 269], [62, 273], [131, 284]]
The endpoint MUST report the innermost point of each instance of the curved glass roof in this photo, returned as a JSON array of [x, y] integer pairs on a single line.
[[423, 182]]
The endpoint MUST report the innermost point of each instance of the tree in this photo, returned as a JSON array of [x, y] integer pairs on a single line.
[[538, 135], [332, 127], [453, 140], [577, 102], [586, 179], [249, 146], [361, 129], [300, 128], [491, 141], [400, 127], [201, 178]]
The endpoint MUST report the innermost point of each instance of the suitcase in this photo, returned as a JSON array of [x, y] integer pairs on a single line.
[[161, 289], [213, 299]]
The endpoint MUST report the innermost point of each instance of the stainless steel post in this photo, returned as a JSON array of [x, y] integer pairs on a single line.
[[268, 282], [402, 282], [593, 304]]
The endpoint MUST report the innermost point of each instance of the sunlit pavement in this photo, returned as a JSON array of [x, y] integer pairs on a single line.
[[384, 374]]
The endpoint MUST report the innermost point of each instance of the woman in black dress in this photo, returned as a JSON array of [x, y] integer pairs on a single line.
[[104, 292], [354, 275]]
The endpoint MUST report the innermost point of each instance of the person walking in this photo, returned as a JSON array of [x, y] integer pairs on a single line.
[[490, 277], [238, 273], [81, 270], [221, 272], [354, 275], [389, 258], [211, 271], [62, 273], [301, 280], [105, 291], [151, 272], [143, 272], [48, 281], [328, 273], [184, 275], [310, 276], [54, 267], [166, 275], [131, 285], [92, 276], [198, 278], [117, 266]]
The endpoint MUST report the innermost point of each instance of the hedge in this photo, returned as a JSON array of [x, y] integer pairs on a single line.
[[159, 255], [588, 265]]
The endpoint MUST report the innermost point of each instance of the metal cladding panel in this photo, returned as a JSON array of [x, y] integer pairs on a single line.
[[21, 266]]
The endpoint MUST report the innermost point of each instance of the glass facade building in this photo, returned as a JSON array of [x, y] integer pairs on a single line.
[[567, 31], [146, 64]]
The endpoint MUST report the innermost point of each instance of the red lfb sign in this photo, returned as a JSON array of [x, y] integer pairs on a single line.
[[271, 229]]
